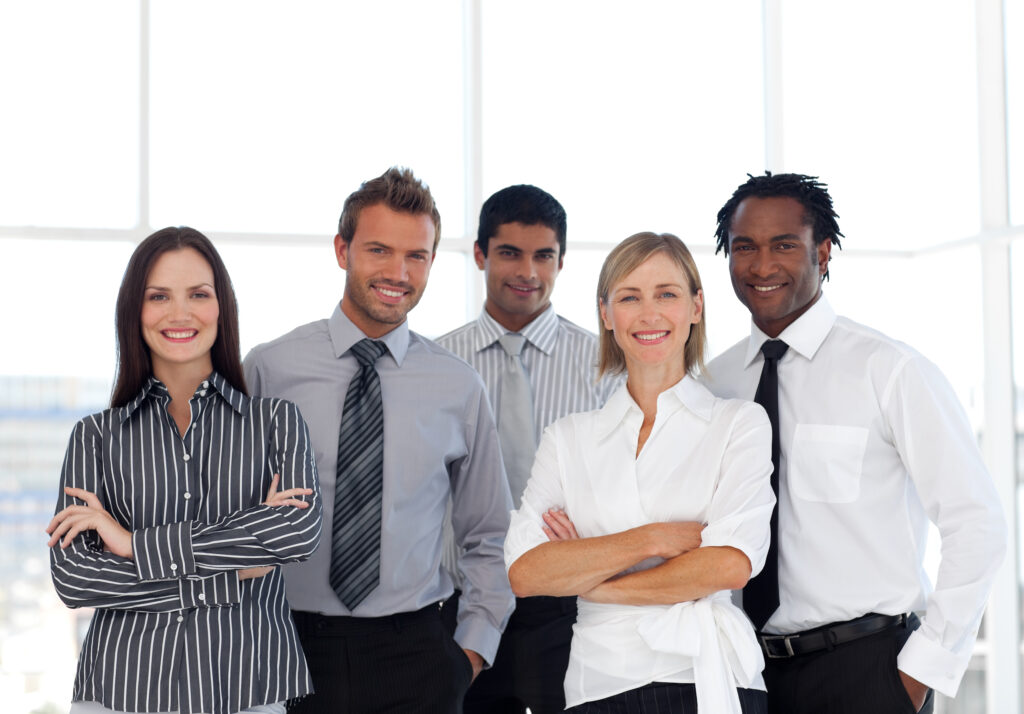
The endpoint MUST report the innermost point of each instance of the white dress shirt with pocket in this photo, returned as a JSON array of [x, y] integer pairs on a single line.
[[874, 445]]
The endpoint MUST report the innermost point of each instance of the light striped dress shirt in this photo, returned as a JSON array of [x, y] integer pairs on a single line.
[[174, 628], [560, 359]]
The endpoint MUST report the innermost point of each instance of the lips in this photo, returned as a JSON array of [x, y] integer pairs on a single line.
[[767, 288], [390, 294], [179, 335], [651, 338], [522, 289]]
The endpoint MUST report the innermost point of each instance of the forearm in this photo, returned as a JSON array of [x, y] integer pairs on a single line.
[[690, 576], [573, 567]]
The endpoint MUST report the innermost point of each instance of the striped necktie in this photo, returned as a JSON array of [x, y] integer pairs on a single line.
[[355, 540], [515, 417]]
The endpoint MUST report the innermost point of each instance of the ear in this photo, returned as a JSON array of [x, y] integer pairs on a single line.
[[698, 306], [478, 256], [341, 251], [561, 258], [604, 314], [824, 253]]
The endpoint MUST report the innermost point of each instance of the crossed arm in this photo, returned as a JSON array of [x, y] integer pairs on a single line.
[[589, 567]]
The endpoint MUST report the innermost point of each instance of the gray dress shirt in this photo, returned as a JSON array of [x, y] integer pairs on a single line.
[[560, 359], [439, 441], [174, 628]]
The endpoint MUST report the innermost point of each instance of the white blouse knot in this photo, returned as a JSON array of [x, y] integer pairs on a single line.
[[716, 635]]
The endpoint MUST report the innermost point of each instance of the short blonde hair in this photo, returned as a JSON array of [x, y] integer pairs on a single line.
[[398, 190], [626, 257]]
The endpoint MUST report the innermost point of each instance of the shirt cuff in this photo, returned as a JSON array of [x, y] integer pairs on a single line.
[[474, 634], [216, 590], [931, 664], [164, 552]]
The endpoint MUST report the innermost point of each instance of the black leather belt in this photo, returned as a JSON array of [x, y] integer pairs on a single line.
[[828, 636]]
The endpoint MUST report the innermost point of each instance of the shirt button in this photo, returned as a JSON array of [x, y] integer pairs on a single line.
[[187, 495], [206, 384], [202, 596], [174, 566], [180, 618], [186, 457], [202, 393]]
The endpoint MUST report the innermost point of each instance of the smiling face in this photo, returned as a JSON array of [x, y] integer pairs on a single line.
[[387, 265], [520, 268], [179, 314], [776, 267], [650, 312]]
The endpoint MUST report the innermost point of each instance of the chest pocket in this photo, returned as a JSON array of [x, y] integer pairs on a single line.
[[825, 462]]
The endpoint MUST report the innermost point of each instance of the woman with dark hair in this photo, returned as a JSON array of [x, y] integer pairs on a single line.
[[651, 508], [178, 502]]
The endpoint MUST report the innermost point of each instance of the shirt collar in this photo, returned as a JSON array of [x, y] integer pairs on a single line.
[[687, 393], [803, 336], [214, 384], [542, 332], [344, 334]]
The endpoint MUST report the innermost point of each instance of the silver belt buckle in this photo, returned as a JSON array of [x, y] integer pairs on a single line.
[[787, 640]]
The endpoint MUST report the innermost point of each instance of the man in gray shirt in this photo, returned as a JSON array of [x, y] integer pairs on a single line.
[[520, 247], [386, 648]]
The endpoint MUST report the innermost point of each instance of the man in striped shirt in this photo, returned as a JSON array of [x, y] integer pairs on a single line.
[[520, 247]]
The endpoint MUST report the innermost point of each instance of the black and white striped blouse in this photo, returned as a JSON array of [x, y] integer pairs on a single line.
[[174, 628]]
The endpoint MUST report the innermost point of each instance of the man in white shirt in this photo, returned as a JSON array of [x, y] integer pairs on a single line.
[[520, 247], [873, 445]]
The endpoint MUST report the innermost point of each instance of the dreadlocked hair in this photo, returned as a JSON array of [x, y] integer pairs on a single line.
[[812, 194]]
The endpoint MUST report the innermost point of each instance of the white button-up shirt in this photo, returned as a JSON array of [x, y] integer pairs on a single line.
[[706, 460], [874, 444]]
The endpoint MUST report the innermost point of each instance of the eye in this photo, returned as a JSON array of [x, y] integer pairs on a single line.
[[627, 298], [507, 253], [419, 257], [156, 297], [545, 257], [200, 294], [667, 294]]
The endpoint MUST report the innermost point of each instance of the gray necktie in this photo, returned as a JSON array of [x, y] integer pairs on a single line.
[[355, 542], [515, 417]]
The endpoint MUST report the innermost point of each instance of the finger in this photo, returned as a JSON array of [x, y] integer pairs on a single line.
[[273, 486], [81, 525], [560, 518], [295, 502], [80, 493], [550, 533], [293, 492]]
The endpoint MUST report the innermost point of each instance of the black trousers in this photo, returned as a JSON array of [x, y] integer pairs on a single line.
[[853, 678], [401, 663], [529, 668], [664, 698]]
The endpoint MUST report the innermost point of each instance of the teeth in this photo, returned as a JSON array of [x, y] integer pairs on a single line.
[[766, 288], [390, 293], [650, 337], [179, 334]]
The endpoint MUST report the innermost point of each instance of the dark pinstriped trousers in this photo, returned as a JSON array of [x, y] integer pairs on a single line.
[[404, 663], [664, 698]]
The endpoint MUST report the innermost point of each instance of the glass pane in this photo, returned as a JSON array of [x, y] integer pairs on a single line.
[[885, 112], [69, 128], [1014, 18], [265, 116], [614, 110]]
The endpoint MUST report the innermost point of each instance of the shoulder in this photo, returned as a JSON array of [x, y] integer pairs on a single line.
[[299, 338], [430, 355], [575, 334], [721, 372], [857, 347], [457, 335]]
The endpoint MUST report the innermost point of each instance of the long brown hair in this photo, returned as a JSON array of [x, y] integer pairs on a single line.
[[134, 365]]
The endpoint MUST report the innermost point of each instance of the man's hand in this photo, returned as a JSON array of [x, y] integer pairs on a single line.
[[91, 517], [915, 689], [253, 573], [476, 661]]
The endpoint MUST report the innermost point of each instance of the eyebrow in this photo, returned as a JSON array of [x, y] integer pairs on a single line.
[[773, 239], [191, 287], [656, 287]]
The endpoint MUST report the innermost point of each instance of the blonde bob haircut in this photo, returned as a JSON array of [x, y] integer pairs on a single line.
[[626, 257]]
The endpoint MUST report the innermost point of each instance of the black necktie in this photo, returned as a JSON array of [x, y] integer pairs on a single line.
[[761, 594], [355, 536]]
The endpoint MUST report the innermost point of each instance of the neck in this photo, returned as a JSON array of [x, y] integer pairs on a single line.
[[511, 322], [646, 382], [182, 381]]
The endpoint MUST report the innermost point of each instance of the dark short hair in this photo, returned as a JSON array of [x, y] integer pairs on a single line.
[[524, 204], [812, 195], [397, 189], [134, 364]]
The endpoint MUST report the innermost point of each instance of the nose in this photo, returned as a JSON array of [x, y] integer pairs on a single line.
[[396, 269], [763, 265], [180, 311], [526, 267]]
